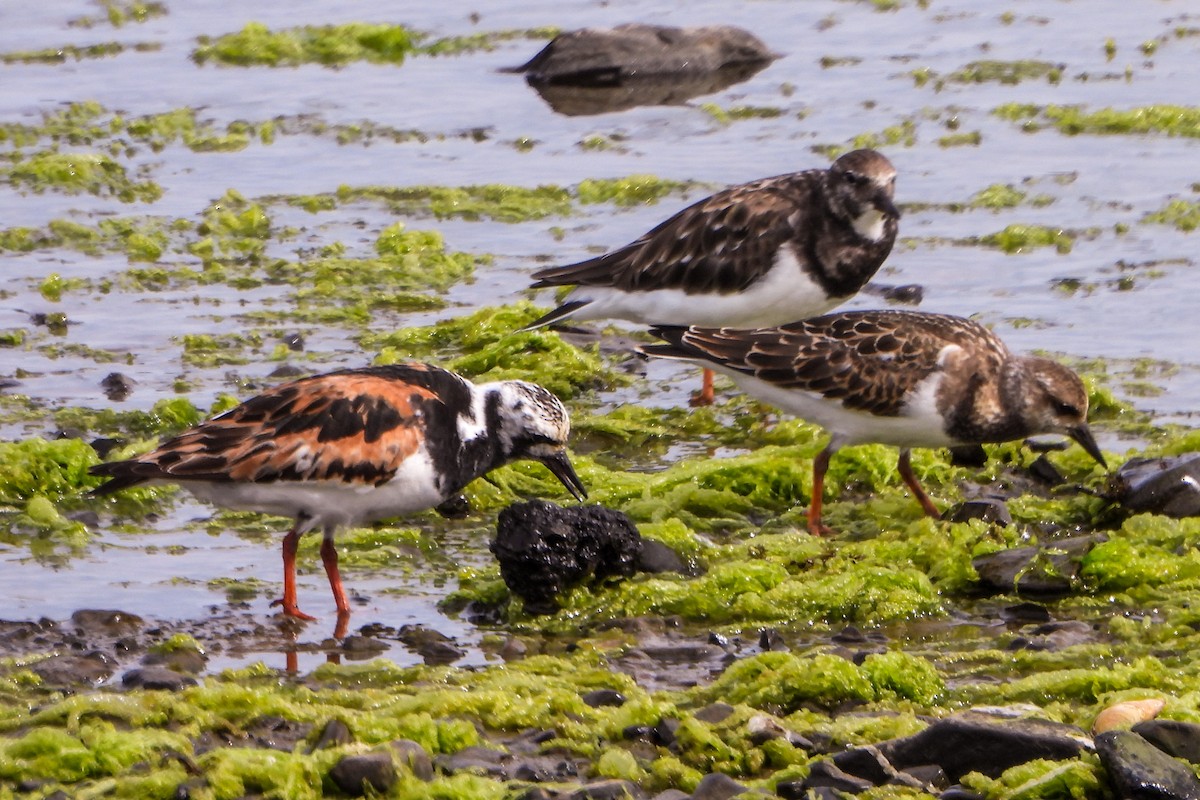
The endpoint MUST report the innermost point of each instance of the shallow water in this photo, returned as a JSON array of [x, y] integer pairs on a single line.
[[1096, 182]]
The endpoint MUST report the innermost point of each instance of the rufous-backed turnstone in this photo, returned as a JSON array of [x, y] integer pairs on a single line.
[[355, 446], [903, 378], [763, 253]]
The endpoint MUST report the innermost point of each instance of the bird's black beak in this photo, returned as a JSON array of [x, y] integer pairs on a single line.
[[1082, 434], [885, 206], [561, 467]]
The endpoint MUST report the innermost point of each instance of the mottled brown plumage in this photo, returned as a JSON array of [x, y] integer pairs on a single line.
[[905, 378]]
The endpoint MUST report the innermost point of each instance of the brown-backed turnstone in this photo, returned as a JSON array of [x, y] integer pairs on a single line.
[[763, 253], [355, 446], [903, 378]]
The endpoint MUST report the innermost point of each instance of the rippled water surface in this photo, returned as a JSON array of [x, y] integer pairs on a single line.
[[1124, 291]]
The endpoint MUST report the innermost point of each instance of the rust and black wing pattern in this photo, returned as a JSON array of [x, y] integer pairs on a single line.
[[351, 426], [870, 360], [721, 244]]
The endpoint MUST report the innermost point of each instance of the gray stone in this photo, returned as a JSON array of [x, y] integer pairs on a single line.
[[714, 713], [97, 622], [477, 760], [866, 763], [1173, 737], [155, 677], [978, 742], [65, 670], [355, 773], [413, 756], [335, 734], [1168, 486], [671, 794], [1140, 771], [988, 509], [656, 557], [929, 777], [1052, 568], [717, 786], [607, 790], [826, 773]]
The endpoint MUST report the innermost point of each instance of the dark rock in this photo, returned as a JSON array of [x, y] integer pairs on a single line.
[[826, 773], [988, 509], [959, 792], [796, 790], [717, 786], [770, 639], [354, 773], [277, 733], [1060, 635], [1045, 472], [155, 677], [433, 646], [968, 455], [476, 760], [455, 508], [1173, 737], [185, 659], [1025, 612], [538, 793], [866, 763], [512, 649], [69, 670], [192, 787], [909, 294], [608, 57], [664, 732], [655, 557], [720, 640], [355, 643], [335, 734], [1140, 771], [599, 698], [928, 777], [287, 371], [1050, 569], [607, 790], [544, 548], [413, 756], [95, 622], [104, 445], [978, 742], [117, 386], [1168, 486], [598, 71], [294, 341], [714, 713], [643, 733], [540, 769]]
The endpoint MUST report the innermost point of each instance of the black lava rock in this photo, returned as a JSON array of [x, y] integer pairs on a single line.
[[988, 509], [599, 698], [544, 548], [1140, 771], [656, 557]]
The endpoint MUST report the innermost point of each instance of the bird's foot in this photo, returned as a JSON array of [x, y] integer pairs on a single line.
[[291, 610], [701, 399], [820, 529]]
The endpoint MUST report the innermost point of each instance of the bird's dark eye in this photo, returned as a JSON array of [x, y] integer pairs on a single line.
[[1066, 409], [853, 178]]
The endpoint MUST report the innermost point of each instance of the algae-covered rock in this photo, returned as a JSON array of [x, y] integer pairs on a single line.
[[1139, 771]]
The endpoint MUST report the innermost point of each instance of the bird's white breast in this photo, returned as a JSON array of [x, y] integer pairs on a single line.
[[785, 293]]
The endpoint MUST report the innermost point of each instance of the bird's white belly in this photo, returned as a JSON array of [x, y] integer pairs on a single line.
[[330, 502], [919, 425], [784, 294]]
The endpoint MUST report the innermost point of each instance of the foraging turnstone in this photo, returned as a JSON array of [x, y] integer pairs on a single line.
[[903, 378], [763, 253], [355, 446]]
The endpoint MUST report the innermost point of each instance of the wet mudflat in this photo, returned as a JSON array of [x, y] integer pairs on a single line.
[[204, 229]]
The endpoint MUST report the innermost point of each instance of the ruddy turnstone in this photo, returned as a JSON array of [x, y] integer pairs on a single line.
[[903, 378], [763, 253], [354, 446]]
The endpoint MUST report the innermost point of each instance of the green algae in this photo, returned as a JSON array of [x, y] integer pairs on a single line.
[[1169, 119], [118, 14], [633, 190], [483, 42], [968, 139], [60, 55], [78, 173], [1007, 72], [329, 45], [490, 201], [488, 345], [1181, 214], [1021, 238]]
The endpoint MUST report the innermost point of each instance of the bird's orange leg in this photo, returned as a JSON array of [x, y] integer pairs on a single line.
[[820, 465], [705, 397], [290, 543], [329, 558], [910, 480]]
